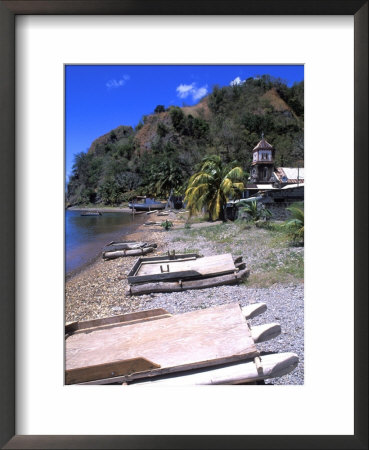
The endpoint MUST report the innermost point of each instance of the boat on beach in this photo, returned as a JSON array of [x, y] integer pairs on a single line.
[[148, 204], [91, 213], [129, 248], [216, 345], [173, 273]]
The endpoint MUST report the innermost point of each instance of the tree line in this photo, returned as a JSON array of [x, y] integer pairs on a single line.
[[119, 167]]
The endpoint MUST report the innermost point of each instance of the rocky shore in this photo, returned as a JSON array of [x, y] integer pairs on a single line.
[[276, 279]]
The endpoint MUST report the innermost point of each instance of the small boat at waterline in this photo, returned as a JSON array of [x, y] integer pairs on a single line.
[[115, 250], [148, 204], [91, 213]]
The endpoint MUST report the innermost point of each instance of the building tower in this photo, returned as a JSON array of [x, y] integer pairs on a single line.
[[262, 166]]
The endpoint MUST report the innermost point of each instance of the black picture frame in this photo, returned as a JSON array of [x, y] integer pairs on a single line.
[[8, 11]]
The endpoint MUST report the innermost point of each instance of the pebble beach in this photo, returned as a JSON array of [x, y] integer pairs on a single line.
[[100, 289]]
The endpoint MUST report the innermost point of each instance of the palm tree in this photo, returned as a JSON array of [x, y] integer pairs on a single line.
[[169, 177], [296, 223], [212, 187]]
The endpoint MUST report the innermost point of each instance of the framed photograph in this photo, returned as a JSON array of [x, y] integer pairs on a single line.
[[57, 57]]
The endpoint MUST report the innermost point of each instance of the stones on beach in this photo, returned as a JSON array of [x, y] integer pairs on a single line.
[[89, 296]]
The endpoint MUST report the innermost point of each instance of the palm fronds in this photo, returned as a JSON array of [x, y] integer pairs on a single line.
[[296, 223], [256, 211], [212, 186]]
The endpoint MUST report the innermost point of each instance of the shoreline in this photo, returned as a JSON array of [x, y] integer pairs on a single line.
[[140, 233], [101, 209], [100, 290], [93, 260], [94, 276]]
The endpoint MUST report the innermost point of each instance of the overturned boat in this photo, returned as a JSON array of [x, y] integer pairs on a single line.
[[148, 204], [172, 273], [115, 250]]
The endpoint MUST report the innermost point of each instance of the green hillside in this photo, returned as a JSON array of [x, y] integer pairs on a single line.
[[162, 152]]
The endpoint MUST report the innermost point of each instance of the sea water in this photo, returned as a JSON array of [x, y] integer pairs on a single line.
[[85, 236]]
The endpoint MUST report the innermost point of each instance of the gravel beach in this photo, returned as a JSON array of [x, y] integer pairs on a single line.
[[99, 290]]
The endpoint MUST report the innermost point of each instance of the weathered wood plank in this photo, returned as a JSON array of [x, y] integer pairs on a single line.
[[177, 286], [110, 369], [272, 366], [115, 246], [125, 242], [154, 259], [190, 258], [185, 269], [122, 253], [265, 332], [204, 266], [147, 319], [181, 342], [122, 318], [253, 310]]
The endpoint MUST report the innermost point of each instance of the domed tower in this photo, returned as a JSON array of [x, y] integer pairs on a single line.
[[262, 166]]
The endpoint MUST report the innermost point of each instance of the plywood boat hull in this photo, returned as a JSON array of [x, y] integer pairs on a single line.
[[180, 267], [91, 347], [182, 342], [175, 273]]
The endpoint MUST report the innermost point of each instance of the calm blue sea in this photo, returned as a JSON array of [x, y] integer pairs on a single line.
[[85, 236]]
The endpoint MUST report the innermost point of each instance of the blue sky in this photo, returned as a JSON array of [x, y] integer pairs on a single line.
[[100, 98]]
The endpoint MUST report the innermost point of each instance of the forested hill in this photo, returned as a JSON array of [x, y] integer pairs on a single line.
[[163, 150]]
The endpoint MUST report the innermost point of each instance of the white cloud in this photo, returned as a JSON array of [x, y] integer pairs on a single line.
[[236, 81], [184, 90], [200, 92], [117, 83]]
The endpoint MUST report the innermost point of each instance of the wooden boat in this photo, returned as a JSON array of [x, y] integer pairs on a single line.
[[148, 204], [187, 271], [209, 346], [122, 253], [127, 245], [151, 222], [115, 250], [91, 213]]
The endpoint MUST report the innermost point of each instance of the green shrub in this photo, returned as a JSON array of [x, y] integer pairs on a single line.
[[255, 211], [167, 225], [295, 225]]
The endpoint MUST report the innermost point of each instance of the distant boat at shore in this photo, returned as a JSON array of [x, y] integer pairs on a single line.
[[148, 204], [91, 213]]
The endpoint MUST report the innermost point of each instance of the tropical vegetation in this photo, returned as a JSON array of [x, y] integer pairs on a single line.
[[161, 153], [255, 211], [167, 225], [295, 225], [212, 187]]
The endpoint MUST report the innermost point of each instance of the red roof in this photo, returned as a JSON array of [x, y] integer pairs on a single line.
[[263, 145]]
